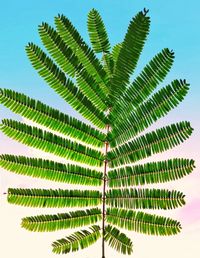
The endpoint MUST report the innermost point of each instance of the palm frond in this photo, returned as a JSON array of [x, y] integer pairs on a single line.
[[150, 173], [78, 240], [59, 221], [117, 240], [97, 32], [69, 63], [46, 141], [53, 198], [152, 74], [151, 143], [48, 169], [150, 111], [85, 55], [142, 222], [50, 117], [129, 54], [144, 198], [63, 86]]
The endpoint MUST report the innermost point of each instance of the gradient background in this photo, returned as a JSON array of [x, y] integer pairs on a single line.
[[175, 24]]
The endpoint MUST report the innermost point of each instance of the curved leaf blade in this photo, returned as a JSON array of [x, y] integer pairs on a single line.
[[78, 240], [63, 86], [85, 54], [150, 173], [108, 62], [143, 222], [46, 141], [50, 198], [50, 117], [61, 53], [69, 63], [97, 32], [90, 88], [144, 198], [129, 54], [118, 240], [150, 111], [115, 52], [152, 74], [73, 219], [151, 143], [50, 170]]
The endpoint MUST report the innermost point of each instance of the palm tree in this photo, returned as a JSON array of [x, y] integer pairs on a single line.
[[101, 90]]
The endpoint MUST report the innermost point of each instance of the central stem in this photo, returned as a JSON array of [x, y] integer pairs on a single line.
[[104, 194]]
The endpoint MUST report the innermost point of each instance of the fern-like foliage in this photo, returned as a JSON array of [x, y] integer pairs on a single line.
[[142, 222], [104, 151], [144, 84], [117, 240], [150, 173], [80, 239], [144, 198], [129, 53], [51, 118], [59, 221], [148, 112], [48, 169], [54, 198], [97, 32]]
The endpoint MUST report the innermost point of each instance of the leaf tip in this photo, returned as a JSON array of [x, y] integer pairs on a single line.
[[145, 11]]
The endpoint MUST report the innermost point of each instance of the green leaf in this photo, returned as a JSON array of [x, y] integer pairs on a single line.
[[48, 169], [144, 198], [129, 54], [70, 64], [109, 61], [150, 111], [85, 55], [149, 173], [62, 53], [78, 240], [46, 141], [97, 32], [108, 64], [117, 240], [152, 74], [91, 90], [151, 143], [115, 52], [59, 221], [50, 117], [143, 222], [63, 86], [53, 198]]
